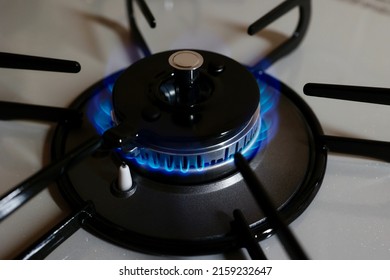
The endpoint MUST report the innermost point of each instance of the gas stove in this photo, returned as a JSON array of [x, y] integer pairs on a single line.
[[346, 43]]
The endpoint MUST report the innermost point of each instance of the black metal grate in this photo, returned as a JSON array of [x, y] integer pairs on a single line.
[[24, 191]]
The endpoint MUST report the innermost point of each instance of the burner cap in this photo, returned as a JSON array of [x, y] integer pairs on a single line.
[[186, 60]]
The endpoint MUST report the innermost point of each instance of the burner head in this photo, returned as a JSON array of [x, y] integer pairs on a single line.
[[186, 114]]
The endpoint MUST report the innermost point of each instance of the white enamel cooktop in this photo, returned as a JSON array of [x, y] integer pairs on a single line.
[[348, 42]]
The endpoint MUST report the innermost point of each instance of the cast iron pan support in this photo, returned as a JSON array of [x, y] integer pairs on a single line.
[[246, 236], [285, 48], [116, 137], [20, 194], [21, 111], [62, 231], [28, 62], [121, 136], [288, 240], [360, 147], [15, 111], [136, 33], [290, 44], [23, 192]]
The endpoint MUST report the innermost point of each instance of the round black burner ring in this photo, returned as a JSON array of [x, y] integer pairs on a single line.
[[82, 184]]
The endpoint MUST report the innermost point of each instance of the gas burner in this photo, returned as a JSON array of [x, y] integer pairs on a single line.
[[191, 215]]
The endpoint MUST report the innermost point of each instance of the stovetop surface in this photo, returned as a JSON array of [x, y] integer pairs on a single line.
[[347, 43]]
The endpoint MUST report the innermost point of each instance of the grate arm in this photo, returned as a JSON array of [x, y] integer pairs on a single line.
[[249, 241], [26, 190], [291, 43], [352, 93], [136, 33], [21, 61], [56, 236], [18, 111], [284, 234], [359, 147]]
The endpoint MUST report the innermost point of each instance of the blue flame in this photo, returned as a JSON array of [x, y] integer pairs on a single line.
[[100, 109]]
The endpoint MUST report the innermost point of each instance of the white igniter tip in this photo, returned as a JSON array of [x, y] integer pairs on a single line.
[[125, 182]]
